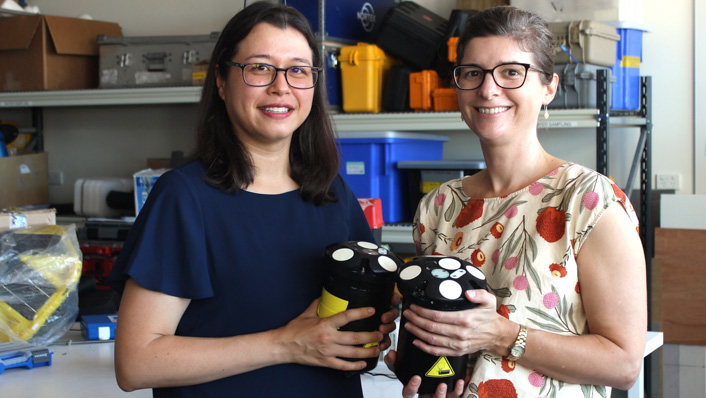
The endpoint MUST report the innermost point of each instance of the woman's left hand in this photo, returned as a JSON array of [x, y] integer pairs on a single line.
[[388, 322], [455, 333]]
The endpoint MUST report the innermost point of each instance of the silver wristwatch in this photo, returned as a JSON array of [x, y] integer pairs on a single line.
[[518, 349]]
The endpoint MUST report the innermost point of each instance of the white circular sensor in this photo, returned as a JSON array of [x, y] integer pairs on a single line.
[[449, 263], [368, 245], [387, 263], [450, 289], [343, 254], [410, 272], [476, 272]]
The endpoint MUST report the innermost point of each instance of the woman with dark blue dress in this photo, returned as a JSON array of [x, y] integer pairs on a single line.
[[222, 272]]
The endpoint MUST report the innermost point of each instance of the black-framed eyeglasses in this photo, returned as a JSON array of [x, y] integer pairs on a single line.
[[507, 75], [259, 74]]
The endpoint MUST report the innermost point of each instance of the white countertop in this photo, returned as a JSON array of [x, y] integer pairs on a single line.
[[79, 366]]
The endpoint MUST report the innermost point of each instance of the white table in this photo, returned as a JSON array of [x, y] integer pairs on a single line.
[[80, 368]]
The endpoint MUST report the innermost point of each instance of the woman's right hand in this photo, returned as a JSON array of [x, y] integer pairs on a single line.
[[410, 390], [310, 340]]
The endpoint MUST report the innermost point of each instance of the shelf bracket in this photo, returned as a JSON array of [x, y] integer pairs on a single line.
[[603, 120]]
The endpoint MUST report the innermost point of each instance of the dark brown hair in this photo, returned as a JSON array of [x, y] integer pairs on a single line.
[[313, 154], [527, 29]]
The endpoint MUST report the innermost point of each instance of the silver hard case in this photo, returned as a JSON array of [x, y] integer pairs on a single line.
[[151, 61]]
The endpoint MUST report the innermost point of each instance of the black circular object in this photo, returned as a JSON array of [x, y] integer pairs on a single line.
[[360, 274], [9, 131], [438, 283]]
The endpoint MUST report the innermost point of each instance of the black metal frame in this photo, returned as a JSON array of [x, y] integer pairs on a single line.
[[643, 157]]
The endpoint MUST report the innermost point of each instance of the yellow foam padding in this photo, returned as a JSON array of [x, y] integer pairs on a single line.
[[330, 304], [428, 186], [61, 270]]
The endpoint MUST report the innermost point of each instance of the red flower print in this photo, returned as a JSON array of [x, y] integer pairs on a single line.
[[577, 288], [558, 271], [497, 388], [551, 223], [422, 229], [471, 212], [504, 311], [497, 230], [478, 258], [590, 200], [508, 365], [619, 193], [456, 243]]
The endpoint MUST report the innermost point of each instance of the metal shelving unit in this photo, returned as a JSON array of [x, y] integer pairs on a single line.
[[599, 118]]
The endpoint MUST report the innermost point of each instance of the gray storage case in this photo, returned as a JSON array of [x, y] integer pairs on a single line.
[[149, 61], [588, 42], [578, 86]]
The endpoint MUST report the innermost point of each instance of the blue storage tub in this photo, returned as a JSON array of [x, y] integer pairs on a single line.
[[369, 165], [352, 20], [628, 56]]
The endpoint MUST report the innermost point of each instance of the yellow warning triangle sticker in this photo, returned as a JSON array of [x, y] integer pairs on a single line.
[[441, 368]]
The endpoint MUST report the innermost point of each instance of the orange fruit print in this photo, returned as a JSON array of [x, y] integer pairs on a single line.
[[551, 223]]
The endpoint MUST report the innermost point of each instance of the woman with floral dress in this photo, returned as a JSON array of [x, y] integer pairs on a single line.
[[565, 311]]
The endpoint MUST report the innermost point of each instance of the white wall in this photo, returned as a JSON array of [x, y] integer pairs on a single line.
[[127, 136]]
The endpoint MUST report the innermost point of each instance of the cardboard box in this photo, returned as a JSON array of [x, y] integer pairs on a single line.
[[42, 52], [26, 218], [23, 180]]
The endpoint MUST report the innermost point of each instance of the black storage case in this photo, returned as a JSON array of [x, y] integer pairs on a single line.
[[395, 96], [413, 34]]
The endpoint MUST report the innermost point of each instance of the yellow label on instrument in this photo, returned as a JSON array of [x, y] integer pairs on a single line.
[[330, 305], [373, 344], [629, 61], [441, 368]]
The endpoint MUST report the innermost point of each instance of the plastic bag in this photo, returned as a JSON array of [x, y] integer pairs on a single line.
[[39, 271]]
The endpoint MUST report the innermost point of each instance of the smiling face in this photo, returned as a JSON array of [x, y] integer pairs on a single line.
[[493, 112], [268, 114]]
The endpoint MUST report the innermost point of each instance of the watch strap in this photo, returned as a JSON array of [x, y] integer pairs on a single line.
[[519, 342]]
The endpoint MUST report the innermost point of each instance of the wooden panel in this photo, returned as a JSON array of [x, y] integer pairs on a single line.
[[682, 256]]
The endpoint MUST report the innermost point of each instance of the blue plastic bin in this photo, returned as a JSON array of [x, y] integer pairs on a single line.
[[353, 20], [626, 89], [369, 165]]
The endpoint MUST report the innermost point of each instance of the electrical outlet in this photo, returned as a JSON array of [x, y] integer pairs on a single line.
[[56, 178], [668, 181]]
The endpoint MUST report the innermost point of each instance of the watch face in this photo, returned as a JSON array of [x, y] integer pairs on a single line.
[[517, 351]]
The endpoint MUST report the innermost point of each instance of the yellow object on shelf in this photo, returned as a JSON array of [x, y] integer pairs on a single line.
[[363, 70]]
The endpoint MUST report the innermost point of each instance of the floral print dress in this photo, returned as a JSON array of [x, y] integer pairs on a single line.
[[526, 243]]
